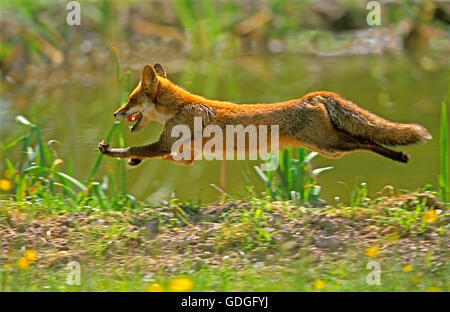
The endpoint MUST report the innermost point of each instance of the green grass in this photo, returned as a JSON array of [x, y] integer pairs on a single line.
[[293, 179], [300, 276], [253, 245]]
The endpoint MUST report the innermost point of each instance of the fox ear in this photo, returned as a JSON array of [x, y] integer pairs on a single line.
[[148, 78], [160, 70]]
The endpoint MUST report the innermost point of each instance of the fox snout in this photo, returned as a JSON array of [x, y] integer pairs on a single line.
[[120, 114], [132, 114]]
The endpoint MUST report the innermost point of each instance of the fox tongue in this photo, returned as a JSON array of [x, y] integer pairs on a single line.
[[131, 118]]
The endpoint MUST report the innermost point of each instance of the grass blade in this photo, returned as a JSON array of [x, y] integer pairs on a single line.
[[74, 181]]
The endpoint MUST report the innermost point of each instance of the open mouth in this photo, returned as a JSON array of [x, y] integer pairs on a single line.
[[135, 117]]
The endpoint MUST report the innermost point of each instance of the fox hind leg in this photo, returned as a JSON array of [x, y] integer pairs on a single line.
[[369, 145], [386, 152], [348, 143], [134, 161]]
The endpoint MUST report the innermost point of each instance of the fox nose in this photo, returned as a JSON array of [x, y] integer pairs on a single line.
[[119, 115]]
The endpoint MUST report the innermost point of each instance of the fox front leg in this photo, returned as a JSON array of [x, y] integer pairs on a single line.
[[137, 161], [146, 151]]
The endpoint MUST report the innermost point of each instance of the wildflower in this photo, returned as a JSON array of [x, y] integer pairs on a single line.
[[154, 287], [115, 51], [181, 284], [7, 266], [372, 251], [430, 216], [8, 174], [5, 185], [23, 263], [407, 268], [432, 289], [319, 284], [30, 255]]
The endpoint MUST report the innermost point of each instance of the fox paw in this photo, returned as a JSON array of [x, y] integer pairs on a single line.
[[103, 146], [404, 157], [134, 161]]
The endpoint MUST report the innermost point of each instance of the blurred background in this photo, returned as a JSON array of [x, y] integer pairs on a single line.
[[70, 79]]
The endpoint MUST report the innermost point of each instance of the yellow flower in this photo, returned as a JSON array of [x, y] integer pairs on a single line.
[[432, 289], [30, 255], [7, 266], [372, 251], [154, 287], [430, 216], [5, 185], [319, 284], [407, 268], [8, 174], [181, 284], [23, 263]]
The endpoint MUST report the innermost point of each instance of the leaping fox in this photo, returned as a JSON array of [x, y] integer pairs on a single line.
[[320, 121]]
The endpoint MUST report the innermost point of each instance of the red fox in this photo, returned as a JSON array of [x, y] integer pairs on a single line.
[[320, 121]]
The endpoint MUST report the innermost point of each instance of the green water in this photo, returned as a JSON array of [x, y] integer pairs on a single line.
[[75, 107]]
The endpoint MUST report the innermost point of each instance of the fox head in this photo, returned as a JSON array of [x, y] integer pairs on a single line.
[[142, 103]]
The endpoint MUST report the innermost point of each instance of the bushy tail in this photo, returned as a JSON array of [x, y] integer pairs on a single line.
[[358, 122]]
